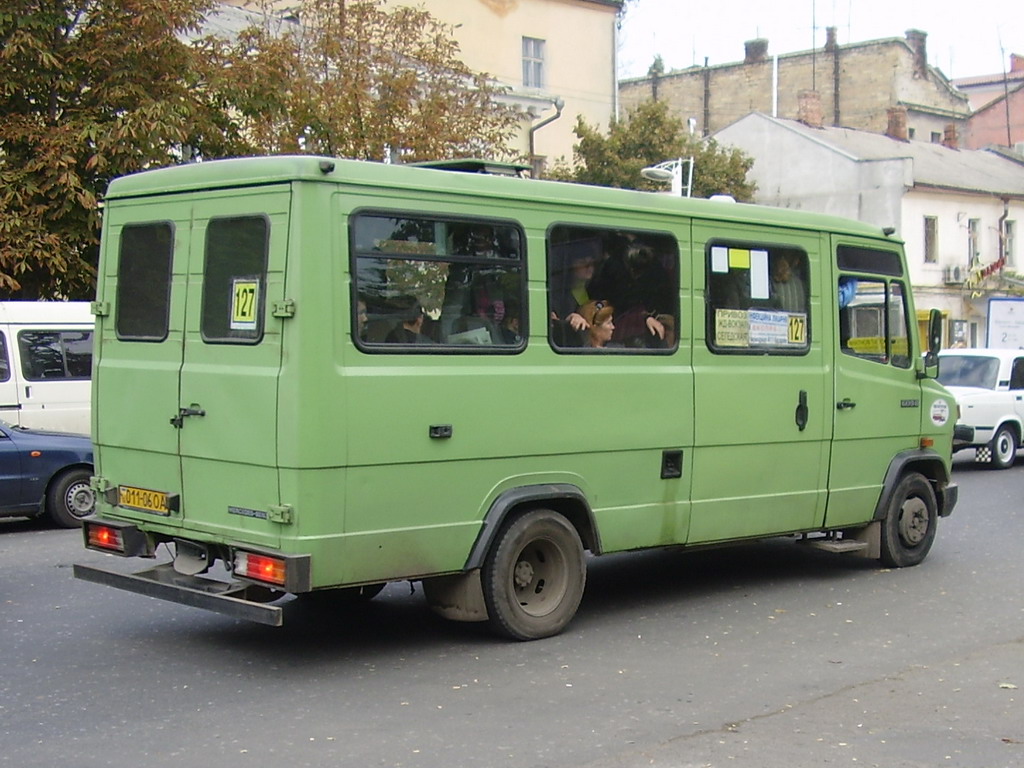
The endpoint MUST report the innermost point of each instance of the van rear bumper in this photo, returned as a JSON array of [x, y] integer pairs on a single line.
[[164, 583]]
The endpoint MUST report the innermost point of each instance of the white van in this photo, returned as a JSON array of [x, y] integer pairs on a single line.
[[46, 364]]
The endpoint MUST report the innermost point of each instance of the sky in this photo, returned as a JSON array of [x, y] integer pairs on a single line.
[[964, 38]]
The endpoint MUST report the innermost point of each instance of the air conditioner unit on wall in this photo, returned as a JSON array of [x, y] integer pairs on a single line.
[[952, 275]]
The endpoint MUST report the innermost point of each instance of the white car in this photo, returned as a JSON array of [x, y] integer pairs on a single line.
[[988, 385]]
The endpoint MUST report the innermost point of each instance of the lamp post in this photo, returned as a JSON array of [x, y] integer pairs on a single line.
[[672, 171]]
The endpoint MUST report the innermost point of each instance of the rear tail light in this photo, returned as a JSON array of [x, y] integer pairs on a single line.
[[264, 568], [116, 538], [105, 537]]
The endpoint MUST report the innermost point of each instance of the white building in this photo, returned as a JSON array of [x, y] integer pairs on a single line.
[[957, 210]]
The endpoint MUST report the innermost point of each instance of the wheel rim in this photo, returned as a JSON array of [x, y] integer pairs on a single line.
[[913, 521], [1004, 448], [540, 577], [80, 500]]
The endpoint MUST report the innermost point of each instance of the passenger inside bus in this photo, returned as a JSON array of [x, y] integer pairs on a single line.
[[410, 330], [599, 316]]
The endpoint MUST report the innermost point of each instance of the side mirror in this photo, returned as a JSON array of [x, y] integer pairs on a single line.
[[931, 357]]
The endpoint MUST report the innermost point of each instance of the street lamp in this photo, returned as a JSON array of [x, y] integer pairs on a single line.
[[672, 171]]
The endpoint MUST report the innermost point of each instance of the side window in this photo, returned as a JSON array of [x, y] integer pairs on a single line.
[[873, 320], [5, 361], [432, 284], [49, 355], [612, 289], [234, 280], [1017, 374], [144, 281], [757, 299]]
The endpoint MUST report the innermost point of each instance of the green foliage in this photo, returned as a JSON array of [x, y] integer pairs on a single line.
[[92, 89], [364, 80], [650, 135]]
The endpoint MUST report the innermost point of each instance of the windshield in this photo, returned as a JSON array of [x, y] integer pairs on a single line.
[[968, 371]]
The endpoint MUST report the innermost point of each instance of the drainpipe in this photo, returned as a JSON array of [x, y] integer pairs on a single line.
[[558, 103], [1002, 233]]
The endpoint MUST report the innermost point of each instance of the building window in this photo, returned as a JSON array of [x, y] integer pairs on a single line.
[[973, 241], [1010, 242], [910, 133], [936, 137], [931, 239], [533, 62]]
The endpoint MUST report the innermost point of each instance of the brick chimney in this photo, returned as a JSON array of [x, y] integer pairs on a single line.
[[897, 127], [949, 136], [1016, 62], [916, 39], [755, 50], [808, 108], [830, 39]]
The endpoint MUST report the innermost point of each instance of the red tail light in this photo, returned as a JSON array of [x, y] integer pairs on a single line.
[[272, 570], [104, 537]]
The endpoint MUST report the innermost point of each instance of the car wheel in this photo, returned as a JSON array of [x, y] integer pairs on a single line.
[[70, 498], [534, 575], [1004, 447], [908, 529]]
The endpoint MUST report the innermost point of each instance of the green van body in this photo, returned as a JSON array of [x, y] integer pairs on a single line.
[[281, 433]]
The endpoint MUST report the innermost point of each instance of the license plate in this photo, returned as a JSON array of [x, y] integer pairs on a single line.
[[140, 498]]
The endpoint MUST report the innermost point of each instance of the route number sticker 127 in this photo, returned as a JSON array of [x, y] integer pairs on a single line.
[[244, 300]]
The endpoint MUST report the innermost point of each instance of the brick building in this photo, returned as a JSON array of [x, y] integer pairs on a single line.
[[858, 83], [998, 104]]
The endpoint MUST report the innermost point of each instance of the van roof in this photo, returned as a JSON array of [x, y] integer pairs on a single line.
[[257, 171], [45, 312]]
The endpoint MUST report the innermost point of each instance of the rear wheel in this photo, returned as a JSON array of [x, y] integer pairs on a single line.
[[70, 499], [1004, 447], [534, 575], [909, 526]]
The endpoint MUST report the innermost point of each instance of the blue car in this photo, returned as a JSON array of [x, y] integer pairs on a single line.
[[45, 473]]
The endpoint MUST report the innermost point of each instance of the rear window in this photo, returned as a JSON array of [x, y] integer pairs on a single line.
[[144, 281], [234, 279], [968, 371]]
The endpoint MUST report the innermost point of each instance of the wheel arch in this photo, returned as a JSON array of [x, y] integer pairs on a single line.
[[926, 462], [564, 498]]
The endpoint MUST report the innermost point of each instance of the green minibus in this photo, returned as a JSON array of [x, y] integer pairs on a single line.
[[315, 376]]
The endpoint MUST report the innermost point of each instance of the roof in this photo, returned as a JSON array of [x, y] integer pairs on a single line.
[[933, 165]]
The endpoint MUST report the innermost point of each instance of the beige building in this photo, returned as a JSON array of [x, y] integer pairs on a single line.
[[557, 58], [858, 83]]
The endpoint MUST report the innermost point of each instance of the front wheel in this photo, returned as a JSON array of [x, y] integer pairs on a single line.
[[1004, 447], [908, 529], [534, 575], [70, 499]]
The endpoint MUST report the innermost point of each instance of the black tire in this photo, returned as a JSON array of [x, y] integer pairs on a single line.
[[1004, 447], [534, 575], [908, 529], [70, 499]]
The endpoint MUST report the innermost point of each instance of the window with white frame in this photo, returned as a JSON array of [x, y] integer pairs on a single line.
[[533, 62], [931, 239], [973, 240]]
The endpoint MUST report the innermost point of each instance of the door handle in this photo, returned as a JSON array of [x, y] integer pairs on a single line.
[[193, 410], [801, 410], [845, 404]]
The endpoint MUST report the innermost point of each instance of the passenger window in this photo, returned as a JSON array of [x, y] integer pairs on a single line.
[[429, 284], [234, 280], [144, 281], [49, 355], [873, 320], [1016, 373], [614, 290], [757, 298]]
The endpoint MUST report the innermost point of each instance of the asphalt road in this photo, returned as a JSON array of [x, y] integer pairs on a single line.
[[762, 655]]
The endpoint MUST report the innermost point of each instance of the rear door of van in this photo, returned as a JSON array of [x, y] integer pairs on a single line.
[[189, 359]]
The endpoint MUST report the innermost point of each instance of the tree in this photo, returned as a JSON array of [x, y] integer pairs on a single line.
[[650, 135], [92, 89], [363, 81]]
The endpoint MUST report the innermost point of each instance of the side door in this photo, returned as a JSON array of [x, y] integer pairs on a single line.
[[762, 393], [877, 408], [226, 413]]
